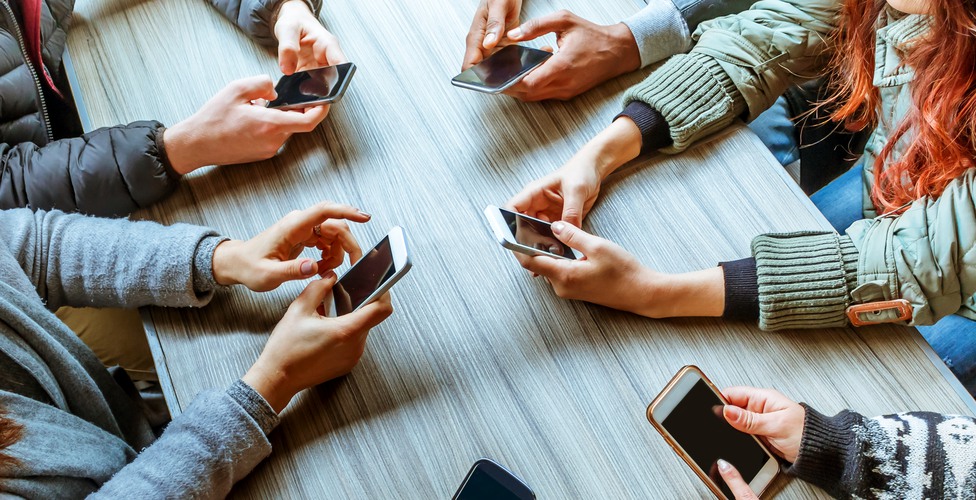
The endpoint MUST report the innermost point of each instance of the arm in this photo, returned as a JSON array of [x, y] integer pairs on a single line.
[[257, 17], [109, 172]]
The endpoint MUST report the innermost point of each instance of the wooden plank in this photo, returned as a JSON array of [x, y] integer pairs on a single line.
[[479, 359]]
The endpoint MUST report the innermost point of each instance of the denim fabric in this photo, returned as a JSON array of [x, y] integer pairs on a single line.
[[776, 131], [840, 201]]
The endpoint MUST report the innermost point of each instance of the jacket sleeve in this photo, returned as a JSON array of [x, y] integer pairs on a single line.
[[109, 172], [739, 65], [83, 261], [927, 256], [908, 455], [219, 439], [256, 17]]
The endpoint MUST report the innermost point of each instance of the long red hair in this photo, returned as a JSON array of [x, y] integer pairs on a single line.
[[940, 126]]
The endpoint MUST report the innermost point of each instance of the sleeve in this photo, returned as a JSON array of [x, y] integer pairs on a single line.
[[926, 256], [110, 172], [664, 27], [256, 17], [220, 438], [739, 65], [83, 261], [908, 455]]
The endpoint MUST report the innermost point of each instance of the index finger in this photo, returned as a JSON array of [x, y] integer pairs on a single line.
[[321, 212]]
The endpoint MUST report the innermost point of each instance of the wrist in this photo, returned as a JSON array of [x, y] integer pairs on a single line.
[[182, 154], [694, 294], [614, 146], [227, 262], [625, 45], [291, 7], [270, 384]]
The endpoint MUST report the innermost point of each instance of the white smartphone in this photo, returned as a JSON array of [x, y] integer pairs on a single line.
[[501, 70], [313, 87], [521, 233], [373, 275], [688, 413]]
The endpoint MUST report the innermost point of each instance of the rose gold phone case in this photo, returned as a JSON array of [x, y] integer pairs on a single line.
[[677, 448]]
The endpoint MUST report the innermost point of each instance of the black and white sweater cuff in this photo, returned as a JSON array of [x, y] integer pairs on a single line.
[[655, 133]]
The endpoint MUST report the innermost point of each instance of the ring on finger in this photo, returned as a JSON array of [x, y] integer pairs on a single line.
[[317, 229]]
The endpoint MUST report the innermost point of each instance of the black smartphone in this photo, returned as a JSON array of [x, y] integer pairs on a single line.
[[489, 481], [502, 69], [313, 87]]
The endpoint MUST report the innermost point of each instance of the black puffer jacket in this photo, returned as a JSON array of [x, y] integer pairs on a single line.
[[107, 172]]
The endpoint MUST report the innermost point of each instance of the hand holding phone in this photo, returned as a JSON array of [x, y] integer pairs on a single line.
[[373, 275], [528, 235], [487, 480], [502, 69], [689, 413], [313, 87]]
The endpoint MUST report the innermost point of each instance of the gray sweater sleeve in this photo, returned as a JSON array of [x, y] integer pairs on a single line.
[[256, 17], [76, 260], [908, 455], [220, 438]]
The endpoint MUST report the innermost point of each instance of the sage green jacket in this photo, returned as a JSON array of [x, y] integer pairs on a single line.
[[738, 67]]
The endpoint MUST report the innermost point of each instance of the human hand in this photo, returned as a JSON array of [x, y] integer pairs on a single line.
[[307, 348], [492, 19], [269, 259], [607, 275], [230, 128], [767, 414], [303, 42], [589, 54], [737, 485]]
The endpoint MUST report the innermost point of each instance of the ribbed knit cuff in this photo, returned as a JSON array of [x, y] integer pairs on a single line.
[[694, 94], [203, 278], [660, 31], [741, 289], [255, 405], [805, 279], [825, 448], [655, 133]]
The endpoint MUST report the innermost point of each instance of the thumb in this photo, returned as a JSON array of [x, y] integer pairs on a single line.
[[295, 269], [312, 296], [288, 49], [574, 197], [369, 315], [253, 88], [534, 28], [575, 237], [737, 485], [747, 421]]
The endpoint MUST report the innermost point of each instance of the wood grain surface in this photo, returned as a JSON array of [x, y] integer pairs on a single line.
[[479, 360]]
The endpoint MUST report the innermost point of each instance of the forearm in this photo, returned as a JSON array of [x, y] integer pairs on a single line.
[[613, 147]]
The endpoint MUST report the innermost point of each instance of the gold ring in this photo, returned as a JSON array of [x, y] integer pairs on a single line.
[[317, 230]]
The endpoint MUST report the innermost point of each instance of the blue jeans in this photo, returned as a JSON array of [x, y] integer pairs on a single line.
[[953, 338]]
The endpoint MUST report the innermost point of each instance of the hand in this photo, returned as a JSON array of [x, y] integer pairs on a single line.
[[303, 42], [768, 414], [492, 19], [269, 259], [307, 348], [589, 54], [609, 276], [739, 487], [230, 128]]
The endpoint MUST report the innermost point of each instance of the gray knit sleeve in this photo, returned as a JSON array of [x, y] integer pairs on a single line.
[[203, 276], [255, 405]]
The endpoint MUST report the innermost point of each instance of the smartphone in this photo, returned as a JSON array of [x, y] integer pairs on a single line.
[[688, 413], [489, 481], [373, 275], [528, 235], [502, 69], [313, 87]]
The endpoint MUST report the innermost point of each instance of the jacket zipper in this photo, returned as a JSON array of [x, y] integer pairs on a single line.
[[30, 66]]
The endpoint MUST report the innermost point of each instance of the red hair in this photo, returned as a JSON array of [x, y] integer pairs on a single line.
[[939, 128], [10, 433]]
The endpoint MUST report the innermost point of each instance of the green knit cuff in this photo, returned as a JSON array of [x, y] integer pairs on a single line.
[[805, 279], [695, 96]]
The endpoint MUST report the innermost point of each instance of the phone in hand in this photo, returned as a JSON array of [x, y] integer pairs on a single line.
[[528, 235], [489, 481], [502, 69], [313, 87], [373, 275], [688, 413]]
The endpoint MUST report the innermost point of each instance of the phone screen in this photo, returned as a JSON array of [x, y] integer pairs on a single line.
[[487, 481], [314, 85], [535, 234], [697, 424], [503, 66], [367, 276]]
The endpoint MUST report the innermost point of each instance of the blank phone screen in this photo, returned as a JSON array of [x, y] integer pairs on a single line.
[[503, 66], [697, 424], [314, 85], [368, 275], [481, 485], [535, 234]]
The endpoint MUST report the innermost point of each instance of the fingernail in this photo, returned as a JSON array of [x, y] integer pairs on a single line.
[[329, 274], [307, 267], [734, 412], [724, 466], [490, 37], [558, 227], [364, 214], [515, 33]]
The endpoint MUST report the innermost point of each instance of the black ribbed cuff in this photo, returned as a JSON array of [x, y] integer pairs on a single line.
[[741, 289], [825, 448], [655, 132]]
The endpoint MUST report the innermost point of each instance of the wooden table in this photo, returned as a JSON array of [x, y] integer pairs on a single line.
[[479, 359]]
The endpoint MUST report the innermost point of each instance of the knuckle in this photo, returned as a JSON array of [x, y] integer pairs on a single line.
[[564, 15]]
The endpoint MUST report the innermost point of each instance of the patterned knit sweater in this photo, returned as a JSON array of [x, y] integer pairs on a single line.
[[903, 456]]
